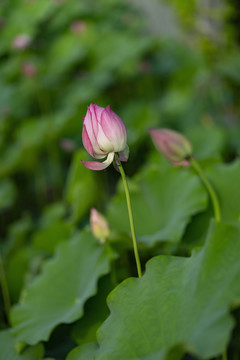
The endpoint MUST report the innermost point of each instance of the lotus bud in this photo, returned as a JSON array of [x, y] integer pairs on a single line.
[[104, 134], [174, 146], [99, 226]]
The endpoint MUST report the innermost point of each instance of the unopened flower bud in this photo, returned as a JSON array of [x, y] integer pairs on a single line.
[[174, 146], [104, 133], [99, 226]]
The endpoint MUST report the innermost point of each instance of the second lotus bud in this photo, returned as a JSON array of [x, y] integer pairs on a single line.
[[173, 145]]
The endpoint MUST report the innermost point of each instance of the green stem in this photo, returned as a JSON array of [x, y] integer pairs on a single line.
[[4, 286], [125, 184], [211, 191]]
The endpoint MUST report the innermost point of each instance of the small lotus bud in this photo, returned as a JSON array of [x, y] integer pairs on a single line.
[[174, 146], [99, 226], [21, 42]]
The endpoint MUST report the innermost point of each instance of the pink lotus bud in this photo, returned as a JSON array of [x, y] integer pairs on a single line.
[[174, 146], [99, 226], [29, 69], [103, 134], [78, 27], [21, 41]]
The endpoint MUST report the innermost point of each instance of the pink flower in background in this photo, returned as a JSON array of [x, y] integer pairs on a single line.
[[104, 134], [99, 226], [67, 145], [78, 27], [174, 146], [21, 42], [29, 69]]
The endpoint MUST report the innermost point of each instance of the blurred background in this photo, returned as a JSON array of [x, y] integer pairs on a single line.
[[158, 63]]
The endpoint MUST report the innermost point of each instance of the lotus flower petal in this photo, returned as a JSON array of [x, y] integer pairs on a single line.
[[95, 165], [86, 141], [90, 127], [114, 129]]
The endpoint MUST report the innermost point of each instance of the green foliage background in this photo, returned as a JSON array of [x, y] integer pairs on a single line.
[[158, 63]]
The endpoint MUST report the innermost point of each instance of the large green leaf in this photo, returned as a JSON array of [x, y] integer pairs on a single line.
[[179, 301], [59, 293], [225, 179], [163, 200]]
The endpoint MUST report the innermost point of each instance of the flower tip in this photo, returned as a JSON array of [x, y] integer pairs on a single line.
[[92, 106]]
